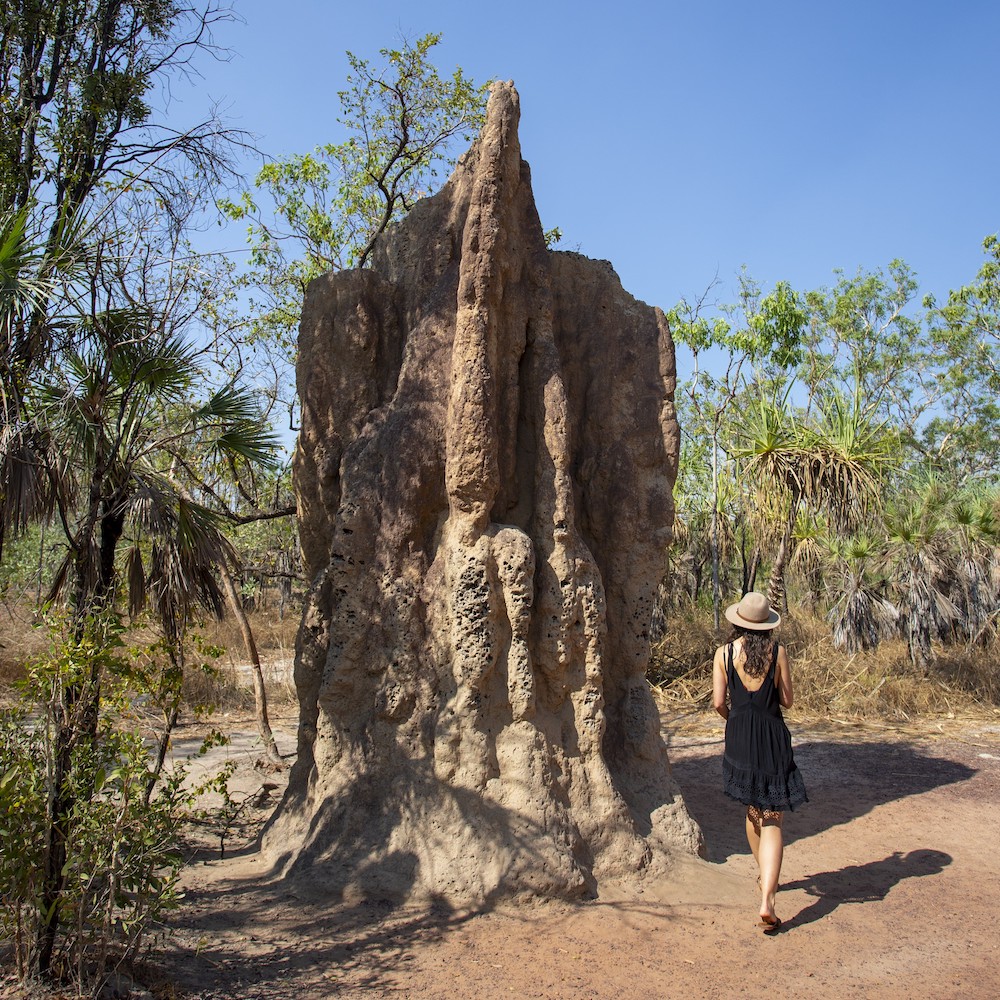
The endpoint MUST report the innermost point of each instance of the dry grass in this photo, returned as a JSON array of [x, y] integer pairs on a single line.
[[226, 685], [20, 642], [879, 685]]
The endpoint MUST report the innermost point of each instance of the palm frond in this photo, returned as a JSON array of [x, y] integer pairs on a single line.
[[26, 491], [862, 618], [232, 428], [230, 404], [25, 281], [188, 547]]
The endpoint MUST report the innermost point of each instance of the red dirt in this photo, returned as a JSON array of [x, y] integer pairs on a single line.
[[889, 889]]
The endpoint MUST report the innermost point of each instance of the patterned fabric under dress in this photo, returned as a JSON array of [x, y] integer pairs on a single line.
[[758, 767]]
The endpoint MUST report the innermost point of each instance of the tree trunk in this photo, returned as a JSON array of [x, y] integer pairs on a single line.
[[776, 593], [751, 579], [716, 599], [259, 691], [79, 716], [55, 846], [170, 723]]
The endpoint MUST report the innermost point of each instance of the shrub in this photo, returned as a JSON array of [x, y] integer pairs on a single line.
[[120, 842]]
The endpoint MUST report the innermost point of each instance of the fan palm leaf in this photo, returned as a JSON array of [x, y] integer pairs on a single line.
[[863, 615]]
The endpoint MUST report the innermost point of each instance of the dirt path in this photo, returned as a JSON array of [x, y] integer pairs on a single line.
[[889, 889]]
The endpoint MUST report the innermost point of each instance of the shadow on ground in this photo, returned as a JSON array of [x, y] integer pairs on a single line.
[[868, 883], [843, 780], [247, 939]]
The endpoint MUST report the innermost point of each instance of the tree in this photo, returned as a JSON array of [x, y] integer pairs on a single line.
[[832, 463], [100, 427], [79, 138], [965, 331], [331, 205], [77, 78], [918, 546], [862, 340], [762, 333], [862, 615], [114, 426]]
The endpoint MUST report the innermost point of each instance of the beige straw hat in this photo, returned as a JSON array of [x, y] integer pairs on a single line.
[[753, 612]]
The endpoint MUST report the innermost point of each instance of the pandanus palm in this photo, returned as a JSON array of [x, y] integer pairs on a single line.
[[832, 463], [976, 530], [862, 616]]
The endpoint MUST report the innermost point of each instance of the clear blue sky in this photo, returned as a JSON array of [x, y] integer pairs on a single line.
[[682, 140]]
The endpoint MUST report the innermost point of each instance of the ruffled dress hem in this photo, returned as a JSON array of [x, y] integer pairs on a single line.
[[763, 791]]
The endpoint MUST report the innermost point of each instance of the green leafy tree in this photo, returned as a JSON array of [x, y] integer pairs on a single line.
[[122, 859], [863, 341], [77, 78], [963, 432], [77, 129], [101, 430], [330, 206], [115, 427], [90, 177]]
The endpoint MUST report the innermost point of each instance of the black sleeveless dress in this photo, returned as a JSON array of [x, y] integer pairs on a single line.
[[758, 768]]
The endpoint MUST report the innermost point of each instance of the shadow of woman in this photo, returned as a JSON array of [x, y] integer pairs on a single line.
[[868, 883]]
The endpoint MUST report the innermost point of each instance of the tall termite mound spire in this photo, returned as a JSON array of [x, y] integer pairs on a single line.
[[484, 478]]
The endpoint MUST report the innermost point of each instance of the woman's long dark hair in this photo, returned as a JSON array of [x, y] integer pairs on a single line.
[[756, 649]]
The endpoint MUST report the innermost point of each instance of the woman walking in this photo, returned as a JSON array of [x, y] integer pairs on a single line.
[[751, 683]]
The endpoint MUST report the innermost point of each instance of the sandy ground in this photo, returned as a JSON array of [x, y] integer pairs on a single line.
[[889, 889]]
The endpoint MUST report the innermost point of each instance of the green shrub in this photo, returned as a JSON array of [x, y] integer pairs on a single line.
[[120, 834]]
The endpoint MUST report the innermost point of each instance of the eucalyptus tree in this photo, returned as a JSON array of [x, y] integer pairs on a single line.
[[324, 210], [865, 340], [963, 433], [78, 83], [698, 534], [78, 77]]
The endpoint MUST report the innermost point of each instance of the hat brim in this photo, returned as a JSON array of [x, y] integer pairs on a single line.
[[733, 616]]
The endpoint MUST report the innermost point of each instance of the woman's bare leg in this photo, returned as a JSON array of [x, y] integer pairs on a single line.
[[769, 854], [753, 832]]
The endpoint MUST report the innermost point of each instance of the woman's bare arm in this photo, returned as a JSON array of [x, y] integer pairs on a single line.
[[784, 679], [719, 683]]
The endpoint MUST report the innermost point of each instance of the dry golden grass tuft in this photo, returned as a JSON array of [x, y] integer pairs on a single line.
[[878, 685], [227, 685], [21, 642]]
